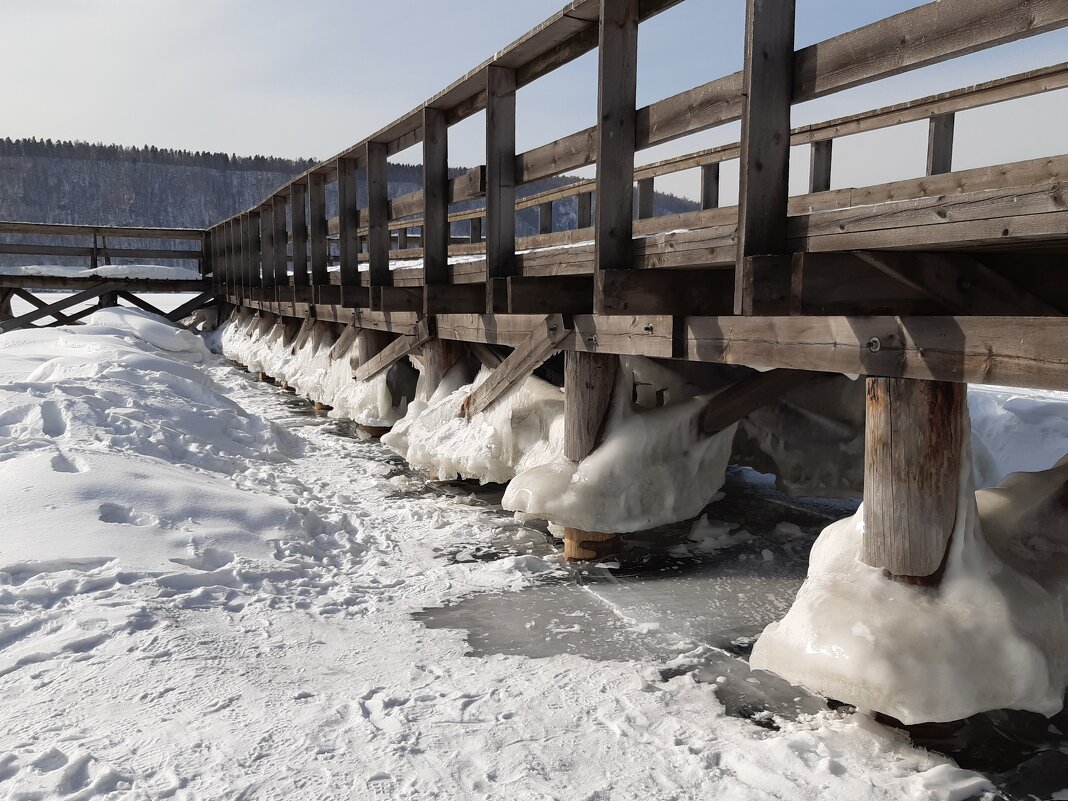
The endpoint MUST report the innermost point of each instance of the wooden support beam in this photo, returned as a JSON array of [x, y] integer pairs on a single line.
[[617, 74], [746, 396], [454, 298], [500, 178], [545, 217], [589, 381], [140, 303], [298, 215], [378, 215], [940, 144], [762, 282], [436, 198], [476, 230], [710, 186], [563, 294], [666, 291], [437, 357], [912, 475], [394, 352], [819, 173], [344, 342], [317, 229], [646, 197], [34, 301], [958, 282], [521, 362], [26, 320], [369, 343], [348, 241], [190, 306], [398, 298]]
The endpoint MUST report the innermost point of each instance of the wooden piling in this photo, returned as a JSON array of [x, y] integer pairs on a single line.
[[912, 471], [589, 379]]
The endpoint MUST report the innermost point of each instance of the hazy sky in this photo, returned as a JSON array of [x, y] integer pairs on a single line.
[[311, 78]]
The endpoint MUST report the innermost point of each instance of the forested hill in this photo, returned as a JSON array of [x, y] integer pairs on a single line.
[[76, 182]]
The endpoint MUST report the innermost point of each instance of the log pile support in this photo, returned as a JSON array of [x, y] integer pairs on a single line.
[[589, 379], [912, 473]]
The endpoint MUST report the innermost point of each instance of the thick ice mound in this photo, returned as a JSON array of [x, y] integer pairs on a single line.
[[651, 468], [992, 636], [523, 429], [302, 359]]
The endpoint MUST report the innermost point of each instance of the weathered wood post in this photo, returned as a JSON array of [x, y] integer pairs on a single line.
[[912, 471], [319, 249], [646, 197], [348, 240], [267, 275], [280, 242], [584, 210], [545, 217], [255, 247], [710, 186], [617, 79], [589, 379], [298, 217], [819, 171], [940, 144], [500, 185], [762, 269], [378, 273], [435, 204]]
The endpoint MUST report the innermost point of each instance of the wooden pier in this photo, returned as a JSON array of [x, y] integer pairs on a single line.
[[946, 278]]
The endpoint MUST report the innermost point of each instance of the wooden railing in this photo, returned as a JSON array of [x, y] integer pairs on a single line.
[[282, 249], [92, 243]]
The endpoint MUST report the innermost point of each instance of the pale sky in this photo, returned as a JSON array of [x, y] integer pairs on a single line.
[[313, 77]]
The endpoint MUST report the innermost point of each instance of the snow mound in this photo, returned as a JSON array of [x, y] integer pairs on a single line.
[[993, 635]]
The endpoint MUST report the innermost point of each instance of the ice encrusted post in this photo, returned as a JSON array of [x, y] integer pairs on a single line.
[[589, 379], [912, 468]]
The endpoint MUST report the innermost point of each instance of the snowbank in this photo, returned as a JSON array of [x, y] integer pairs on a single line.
[[99, 425], [993, 635], [152, 272]]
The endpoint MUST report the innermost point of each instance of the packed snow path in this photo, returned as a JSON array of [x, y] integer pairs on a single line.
[[196, 603]]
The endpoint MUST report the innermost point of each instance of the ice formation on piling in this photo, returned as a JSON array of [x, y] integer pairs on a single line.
[[992, 635]]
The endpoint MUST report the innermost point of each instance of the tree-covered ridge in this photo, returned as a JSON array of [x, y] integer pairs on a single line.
[[148, 154]]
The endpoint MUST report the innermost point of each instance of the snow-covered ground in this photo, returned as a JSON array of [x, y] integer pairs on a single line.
[[156, 272], [198, 603]]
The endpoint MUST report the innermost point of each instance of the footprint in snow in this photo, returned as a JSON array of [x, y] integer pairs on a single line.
[[123, 515]]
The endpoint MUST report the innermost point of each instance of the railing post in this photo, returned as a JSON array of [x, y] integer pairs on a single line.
[[762, 270], [244, 262], [348, 242], [710, 186], [646, 196], [233, 237], [206, 261], [940, 144], [402, 239], [500, 185], [435, 203], [298, 216], [584, 210], [617, 74], [267, 278], [317, 233], [476, 230], [255, 255], [545, 217], [819, 173], [377, 219], [280, 241], [94, 259]]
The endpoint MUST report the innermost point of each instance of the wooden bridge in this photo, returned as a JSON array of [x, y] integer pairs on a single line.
[[950, 277]]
